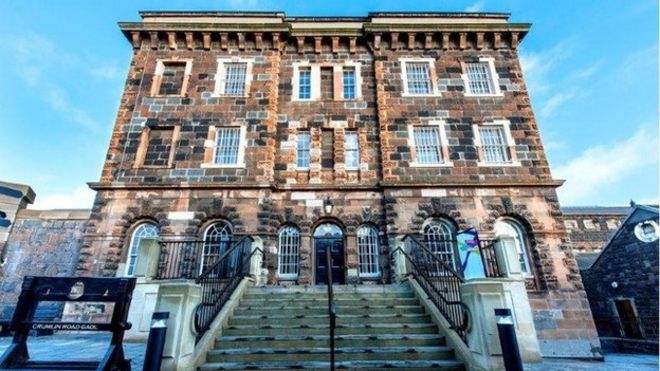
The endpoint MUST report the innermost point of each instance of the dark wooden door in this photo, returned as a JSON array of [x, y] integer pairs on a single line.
[[628, 318], [336, 247]]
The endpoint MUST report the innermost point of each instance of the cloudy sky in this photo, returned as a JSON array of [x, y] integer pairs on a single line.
[[591, 67]]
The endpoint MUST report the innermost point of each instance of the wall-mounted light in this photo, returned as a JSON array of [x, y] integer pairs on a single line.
[[327, 205], [614, 284]]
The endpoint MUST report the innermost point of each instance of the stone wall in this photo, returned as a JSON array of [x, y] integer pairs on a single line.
[[591, 227], [41, 243]]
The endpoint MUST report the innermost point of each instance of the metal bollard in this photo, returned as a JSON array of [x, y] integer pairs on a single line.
[[153, 356], [508, 340]]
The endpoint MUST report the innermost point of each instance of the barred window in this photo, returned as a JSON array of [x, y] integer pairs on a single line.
[[511, 228], [440, 237], [352, 150], [418, 78], [368, 251], [349, 82], [289, 252], [144, 230], [493, 144], [479, 78], [302, 150], [235, 75], [305, 83], [227, 144], [427, 145], [217, 238]]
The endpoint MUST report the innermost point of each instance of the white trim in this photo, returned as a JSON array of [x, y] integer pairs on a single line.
[[242, 144], [404, 76], [357, 141], [506, 124], [219, 89], [444, 143], [494, 79], [314, 81]]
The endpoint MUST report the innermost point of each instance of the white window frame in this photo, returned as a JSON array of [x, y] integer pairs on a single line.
[[358, 80], [309, 150], [288, 276], [444, 144], [494, 79], [133, 248], [219, 90], [444, 248], [521, 241], [357, 142], [158, 77], [435, 92], [372, 245], [242, 143], [510, 143], [315, 79], [206, 254]]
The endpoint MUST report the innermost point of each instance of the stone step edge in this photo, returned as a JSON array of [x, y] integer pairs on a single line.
[[325, 316], [285, 365], [326, 337], [338, 350], [241, 307], [369, 325]]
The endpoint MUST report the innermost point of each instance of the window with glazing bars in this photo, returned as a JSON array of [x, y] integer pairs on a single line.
[[479, 78], [235, 74], [289, 246], [367, 240], [427, 145], [440, 238], [226, 146], [349, 82], [305, 83], [302, 150], [352, 150], [493, 144], [418, 77]]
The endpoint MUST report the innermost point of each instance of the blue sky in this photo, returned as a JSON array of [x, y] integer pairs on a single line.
[[591, 68]]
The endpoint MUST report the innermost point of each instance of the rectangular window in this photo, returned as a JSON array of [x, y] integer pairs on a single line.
[[171, 82], [159, 147], [227, 144], [418, 78], [302, 150], [352, 150], [305, 83], [427, 145], [327, 149], [349, 82], [235, 76], [479, 78], [494, 146]]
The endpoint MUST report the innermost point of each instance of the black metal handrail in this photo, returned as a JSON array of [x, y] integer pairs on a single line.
[[440, 281], [332, 310], [219, 281], [180, 259], [488, 258]]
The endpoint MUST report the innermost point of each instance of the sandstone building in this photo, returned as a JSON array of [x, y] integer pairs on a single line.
[[362, 129]]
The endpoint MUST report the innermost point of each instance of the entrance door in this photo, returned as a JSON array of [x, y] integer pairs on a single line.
[[330, 237], [628, 318]]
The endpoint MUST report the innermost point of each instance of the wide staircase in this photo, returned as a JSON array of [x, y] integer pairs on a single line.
[[378, 326]]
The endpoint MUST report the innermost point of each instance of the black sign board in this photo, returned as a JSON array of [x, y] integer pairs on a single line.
[[61, 289]]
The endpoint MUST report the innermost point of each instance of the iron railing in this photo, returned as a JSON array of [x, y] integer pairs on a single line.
[[488, 258], [180, 259], [332, 309], [439, 280], [220, 279]]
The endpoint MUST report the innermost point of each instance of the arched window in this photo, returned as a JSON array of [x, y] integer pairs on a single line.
[[217, 238], [368, 251], [143, 230], [440, 237], [513, 229], [289, 252]]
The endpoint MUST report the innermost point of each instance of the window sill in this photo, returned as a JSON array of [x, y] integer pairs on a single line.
[[302, 169], [498, 164], [496, 95], [442, 164], [153, 167], [169, 96], [227, 166], [287, 277], [214, 95], [432, 95], [352, 168]]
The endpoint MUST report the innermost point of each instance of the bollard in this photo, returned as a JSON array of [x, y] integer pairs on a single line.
[[508, 340], [153, 356]]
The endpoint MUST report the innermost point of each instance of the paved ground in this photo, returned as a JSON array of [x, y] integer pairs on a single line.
[[86, 346]]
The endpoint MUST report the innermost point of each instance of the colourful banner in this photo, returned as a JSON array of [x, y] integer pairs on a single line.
[[470, 256]]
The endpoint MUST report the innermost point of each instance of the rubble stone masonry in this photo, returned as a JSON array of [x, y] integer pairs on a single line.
[[146, 179]]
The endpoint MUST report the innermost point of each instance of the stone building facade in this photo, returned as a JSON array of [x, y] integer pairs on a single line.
[[253, 123], [622, 283]]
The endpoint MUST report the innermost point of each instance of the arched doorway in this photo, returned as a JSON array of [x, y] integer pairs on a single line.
[[329, 237]]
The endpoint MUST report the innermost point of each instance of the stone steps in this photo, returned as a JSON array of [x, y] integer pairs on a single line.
[[378, 326]]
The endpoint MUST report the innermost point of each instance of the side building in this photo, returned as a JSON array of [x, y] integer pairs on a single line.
[[297, 130]]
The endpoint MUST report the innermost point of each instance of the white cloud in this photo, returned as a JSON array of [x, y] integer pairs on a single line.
[[106, 72], [551, 104], [79, 198], [476, 7], [602, 167]]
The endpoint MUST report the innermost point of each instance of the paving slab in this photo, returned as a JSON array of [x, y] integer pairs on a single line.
[[613, 362]]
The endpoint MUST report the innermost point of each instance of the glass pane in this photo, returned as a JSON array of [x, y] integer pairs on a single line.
[[352, 150], [368, 252], [227, 146], [494, 144], [418, 78], [349, 83], [305, 83], [427, 144], [235, 78], [144, 230], [479, 79], [289, 246], [302, 159]]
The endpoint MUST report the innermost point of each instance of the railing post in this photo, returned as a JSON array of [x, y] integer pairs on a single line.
[[332, 310]]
